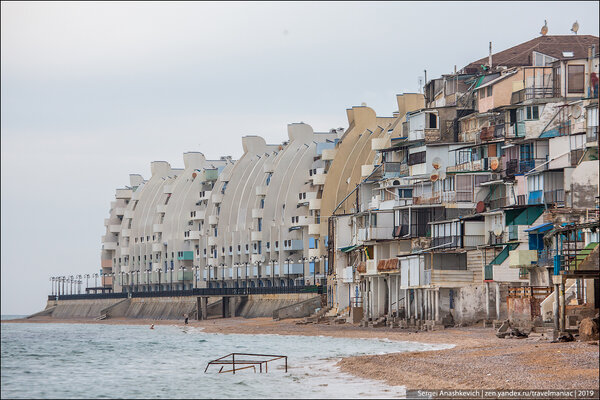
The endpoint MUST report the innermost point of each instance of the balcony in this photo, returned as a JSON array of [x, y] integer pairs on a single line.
[[255, 236], [261, 190], [427, 199], [109, 246], [124, 193], [258, 212], [106, 263], [157, 247], [126, 232], [591, 134], [185, 255], [488, 272], [199, 215], [533, 93], [217, 198], [556, 196], [225, 175], [328, 154], [185, 276], [213, 219], [371, 267], [515, 167], [522, 258], [448, 276], [314, 229], [194, 235], [157, 228], [293, 245], [464, 241], [114, 228], [314, 204], [319, 179], [205, 195], [119, 211]]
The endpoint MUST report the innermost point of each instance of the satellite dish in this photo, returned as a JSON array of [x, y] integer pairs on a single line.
[[575, 28], [495, 164], [497, 229], [436, 162], [544, 30], [434, 177], [577, 111], [480, 207], [194, 175]]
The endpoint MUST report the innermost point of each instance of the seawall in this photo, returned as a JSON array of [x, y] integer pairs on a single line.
[[170, 308]]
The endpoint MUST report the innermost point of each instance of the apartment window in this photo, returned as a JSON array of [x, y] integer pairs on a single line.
[[526, 151], [535, 182], [142, 239], [489, 91], [416, 158], [147, 238], [260, 224], [230, 249], [168, 198], [268, 178], [262, 203], [532, 112], [447, 184], [276, 244], [239, 248], [575, 78], [432, 121]]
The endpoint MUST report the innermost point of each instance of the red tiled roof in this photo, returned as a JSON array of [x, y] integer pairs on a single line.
[[550, 45]]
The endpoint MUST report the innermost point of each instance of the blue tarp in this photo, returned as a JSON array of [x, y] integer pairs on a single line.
[[540, 228]]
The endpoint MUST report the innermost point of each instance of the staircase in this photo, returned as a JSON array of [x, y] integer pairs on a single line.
[[319, 316]]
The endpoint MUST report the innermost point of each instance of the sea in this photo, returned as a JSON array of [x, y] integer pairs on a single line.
[[132, 361]]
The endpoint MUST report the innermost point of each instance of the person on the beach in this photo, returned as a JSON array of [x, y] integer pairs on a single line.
[[151, 326], [186, 318]]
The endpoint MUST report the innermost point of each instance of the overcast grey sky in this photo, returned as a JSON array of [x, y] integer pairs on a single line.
[[94, 91]]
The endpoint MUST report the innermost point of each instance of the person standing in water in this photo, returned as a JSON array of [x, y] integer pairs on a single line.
[[186, 318]]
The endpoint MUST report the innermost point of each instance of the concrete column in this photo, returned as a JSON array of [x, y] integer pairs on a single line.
[[556, 308], [225, 306], [426, 303], [416, 301], [407, 303], [233, 303], [437, 305], [497, 301], [390, 297], [562, 307], [487, 300], [398, 294], [430, 304], [204, 307]]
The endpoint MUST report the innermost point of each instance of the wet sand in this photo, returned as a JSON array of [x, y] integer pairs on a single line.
[[479, 359]]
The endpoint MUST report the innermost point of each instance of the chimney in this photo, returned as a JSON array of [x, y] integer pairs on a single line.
[[490, 57]]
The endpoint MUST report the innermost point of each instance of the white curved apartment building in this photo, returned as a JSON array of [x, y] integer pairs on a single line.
[[223, 223]]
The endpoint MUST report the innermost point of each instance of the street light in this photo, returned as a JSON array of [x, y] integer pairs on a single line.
[[171, 283], [287, 273], [223, 275], [208, 271], [302, 260], [258, 282], [273, 273], [237, 275], [159, 285], [196, 277], [314, 260], [137, 282], [246, 264]]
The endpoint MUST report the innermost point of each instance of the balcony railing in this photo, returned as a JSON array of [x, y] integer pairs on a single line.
[[514, 166], [532, 93], [556, 196], [497, 203], [591, 134], [458, 241]]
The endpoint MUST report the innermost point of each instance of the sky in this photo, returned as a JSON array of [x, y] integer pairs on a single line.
[[94, 91]]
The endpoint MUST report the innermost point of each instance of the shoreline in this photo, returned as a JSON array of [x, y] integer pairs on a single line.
[[478, 359]]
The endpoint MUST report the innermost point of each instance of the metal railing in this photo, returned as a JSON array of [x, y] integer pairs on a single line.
[[591, 134], [196, 292], [532, 93]]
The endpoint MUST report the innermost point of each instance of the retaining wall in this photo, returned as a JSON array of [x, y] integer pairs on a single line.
[[171, 308]]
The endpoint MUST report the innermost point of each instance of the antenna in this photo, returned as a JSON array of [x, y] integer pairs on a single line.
[[575, 28]]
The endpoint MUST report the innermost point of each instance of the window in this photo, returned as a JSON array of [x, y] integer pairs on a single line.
[[269, 178], [542, 60], [448, 184], [489, 90], [575, 78], [262, 203], [260, 224], [526, 151], [416, 158], [532, 112], [432, 120]]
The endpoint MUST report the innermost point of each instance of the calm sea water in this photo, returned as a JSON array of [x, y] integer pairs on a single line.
[[121, 361]]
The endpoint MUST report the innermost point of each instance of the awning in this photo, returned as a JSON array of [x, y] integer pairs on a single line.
[[540, 228], [349, 248]]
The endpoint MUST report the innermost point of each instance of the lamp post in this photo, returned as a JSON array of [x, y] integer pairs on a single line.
[[196, 277], [246, 263], [171, 283], [237, 274], [302, 260], [273, 273], [209, 266], [287, 272], [71, 283], [258, 273], [222, 274], [314, 260], [159, 285]]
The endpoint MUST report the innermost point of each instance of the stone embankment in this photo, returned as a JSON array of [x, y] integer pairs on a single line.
[[173, 308]]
